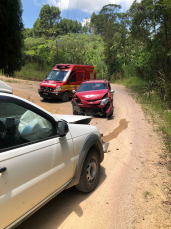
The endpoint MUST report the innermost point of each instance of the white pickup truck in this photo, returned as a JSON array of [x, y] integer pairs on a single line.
[[42, 154]]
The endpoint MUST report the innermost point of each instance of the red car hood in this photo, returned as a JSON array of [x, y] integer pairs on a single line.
[[51, 83], [91, 95]]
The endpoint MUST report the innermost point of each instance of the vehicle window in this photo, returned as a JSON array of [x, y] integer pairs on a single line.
[[58, 75], [19, 125], [92, 87], [73, 78]]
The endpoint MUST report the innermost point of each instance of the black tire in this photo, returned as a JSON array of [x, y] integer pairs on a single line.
[[65, 97], [109, 116], [75, 113], [90, 173]]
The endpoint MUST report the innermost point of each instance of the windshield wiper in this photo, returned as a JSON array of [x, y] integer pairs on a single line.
[[53, 80]]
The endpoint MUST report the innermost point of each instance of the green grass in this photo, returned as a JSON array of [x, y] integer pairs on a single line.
[[153, 106], [31, 72], [133, 82], [10, 81], [145, 194]]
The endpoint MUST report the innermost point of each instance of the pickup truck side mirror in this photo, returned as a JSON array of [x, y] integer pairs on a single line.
[[62, 128], [73, 91], [112, 91]]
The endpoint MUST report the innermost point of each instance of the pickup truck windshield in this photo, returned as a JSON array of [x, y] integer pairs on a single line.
[[92, 87], [58, 75]]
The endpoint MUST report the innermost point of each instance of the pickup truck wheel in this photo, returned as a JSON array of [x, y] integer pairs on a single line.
[[89, 178], [65, 97]]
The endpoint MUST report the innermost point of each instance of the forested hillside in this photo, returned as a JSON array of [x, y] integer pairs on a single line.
[[41, 53]]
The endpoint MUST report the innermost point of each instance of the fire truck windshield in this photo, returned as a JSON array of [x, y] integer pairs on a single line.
[[58, 75]]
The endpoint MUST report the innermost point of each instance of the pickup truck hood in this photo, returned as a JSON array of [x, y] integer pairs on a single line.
[[77, 119], [91, 95], [5, 88]]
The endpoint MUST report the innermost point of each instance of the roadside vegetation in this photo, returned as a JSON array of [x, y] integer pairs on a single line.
[[153, 106], [41, 54]]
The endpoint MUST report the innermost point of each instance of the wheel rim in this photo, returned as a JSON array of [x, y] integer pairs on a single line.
[[66, 96], [91, 170]]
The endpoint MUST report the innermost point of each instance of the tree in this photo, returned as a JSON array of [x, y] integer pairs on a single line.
[[11, 39], [93, 23], [76, 27], [150, 24], [47, 22], [65, 26], [86, 27], [49, 15], [27, 32], [150, 27], [123, 36], [42, 56], [37, 29], [106, 24], [69, 26]]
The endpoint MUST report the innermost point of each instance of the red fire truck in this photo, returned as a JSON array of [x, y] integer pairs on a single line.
[[63, 79]]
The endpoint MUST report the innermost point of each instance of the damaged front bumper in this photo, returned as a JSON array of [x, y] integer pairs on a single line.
[[92, 109]]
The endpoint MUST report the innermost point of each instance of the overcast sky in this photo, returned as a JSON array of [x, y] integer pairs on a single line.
[[71, 9]]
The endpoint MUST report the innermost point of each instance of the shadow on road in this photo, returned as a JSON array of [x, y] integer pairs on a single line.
[[54, 101], [54, 213]]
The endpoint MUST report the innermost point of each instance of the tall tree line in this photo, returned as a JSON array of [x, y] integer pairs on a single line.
[[50, 24], [138, 42], [150, 27], [11, 39]]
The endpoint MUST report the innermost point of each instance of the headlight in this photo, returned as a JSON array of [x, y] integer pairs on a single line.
[[57, 89], [105, 101]]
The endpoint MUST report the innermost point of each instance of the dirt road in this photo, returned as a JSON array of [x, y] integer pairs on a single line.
[[128, 171]]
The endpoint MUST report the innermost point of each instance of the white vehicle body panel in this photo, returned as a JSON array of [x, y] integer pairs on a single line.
[[37, 169], [33, 173], [79, 134], [71, 118], [5, 88], [78, 130]]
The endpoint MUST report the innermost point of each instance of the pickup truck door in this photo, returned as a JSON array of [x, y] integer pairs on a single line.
[[33, 166]]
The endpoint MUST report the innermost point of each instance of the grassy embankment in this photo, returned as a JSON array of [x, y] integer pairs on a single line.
[[152, 106], [30, 72]]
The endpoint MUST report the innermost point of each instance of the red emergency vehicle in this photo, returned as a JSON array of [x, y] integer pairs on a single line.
[[63, 79]]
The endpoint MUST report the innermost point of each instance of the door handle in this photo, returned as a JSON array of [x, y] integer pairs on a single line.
[[3, 169]]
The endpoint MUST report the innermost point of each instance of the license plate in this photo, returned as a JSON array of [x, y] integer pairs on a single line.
[[45, 93]]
